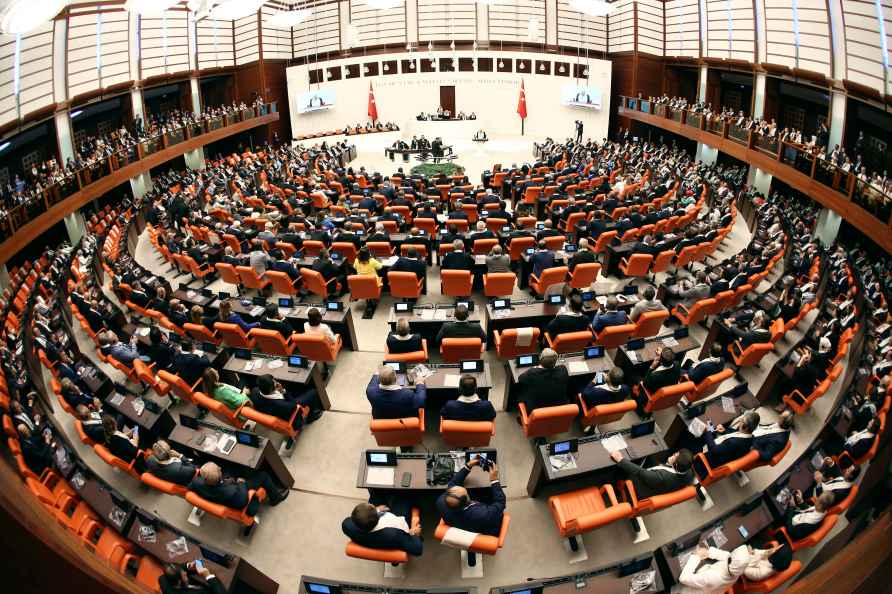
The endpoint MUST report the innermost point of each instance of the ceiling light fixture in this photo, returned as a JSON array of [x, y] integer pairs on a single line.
[[386, 67], [430, 46], [412, 65], [595, 8], [561, 68], [501, 64], [23, 16], [541, 66], [288, 18], [520, 66], [233, 10], [149, 7], [4, 146], [74, 114], [383, 4]]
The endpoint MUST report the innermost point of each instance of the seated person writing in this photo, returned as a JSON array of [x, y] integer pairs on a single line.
[[610, 317], [613, 391], [765, 563], [458, 510], [91, 423], [649, 302], [468, 406], [211, 484], [403, 340], [664, 371], [384, 527], [228, 317], [656, 480], [169, 465], [389, 400], [545, 384], [315, 325]]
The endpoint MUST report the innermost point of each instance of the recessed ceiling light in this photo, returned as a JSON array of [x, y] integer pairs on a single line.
[[233, 10], [23, 16], [501, 64], [595, 8], [288, 18], [149, 7], [541, 66]]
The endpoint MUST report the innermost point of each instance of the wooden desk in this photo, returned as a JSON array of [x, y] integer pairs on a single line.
[[437, 385], [636, 370], [191, 297], [755, 520], [800, 477], [599, 581], [308, 377], [246, 458], [416, 464], [111, 507], [341, 322], [713, 411], [592, 460], [152, 425], [578, 378], [427, 321]]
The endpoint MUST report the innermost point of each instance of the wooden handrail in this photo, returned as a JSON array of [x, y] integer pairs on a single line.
[[39, 225], [841, 203]]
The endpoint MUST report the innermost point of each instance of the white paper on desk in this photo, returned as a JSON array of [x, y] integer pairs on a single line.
[[718, 537], [614, 443], [577, 367], [210, 442], [696, 427], [191, 294], [451, 380], [143, 331], [562, 462], [683, 558], [138, 405], [441, 314], [670, 341], [643, 581], [275, 363], [380, 475], [602, 299], [633, 356], [116, 399], [256, 310], [427, 314], [249, 365], [728, 405]]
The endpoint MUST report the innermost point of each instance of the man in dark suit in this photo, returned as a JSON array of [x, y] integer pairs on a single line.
[[702, 369], [664, 371], [384, 527], [572, 320], [232, 492], [657, 480], [583, 255], [168, 465], [189, 365], [802, 521], [91, 423], [274, 320], [180, 580], [482, 232], [756, 332], [330, 272], [732, 443], [769, 439], [611, 317], [458, 258], [542, 259], [545, 384], [611, 392], [411, 263], [459, 511], [389, 400], [547, 231], [461, 327], [468, 406]]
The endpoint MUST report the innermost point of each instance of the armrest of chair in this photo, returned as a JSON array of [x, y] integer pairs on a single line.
[[797, 397], [624, 263], [582, 406], [736, 348], [702, 457], [424, 348], [524, 417], [609, 492], [680, 308], [627, 491]]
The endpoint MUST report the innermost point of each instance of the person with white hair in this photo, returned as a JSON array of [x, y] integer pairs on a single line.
[[713, 578]]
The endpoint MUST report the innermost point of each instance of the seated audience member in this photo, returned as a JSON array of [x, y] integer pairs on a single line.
[[274, 320], [770, 439], [411, 263], [611, 316], [189, 365], [702, 369], [366, 265], [229, 395], [664, 371], [573, 319], [458, 510], [468, 406], [614, 390], [656, 480], [123, 353], [497, 260], [461, 327], [457, 259], [403, 340], [583, 255], [160, 351], [122, 444], [542, 258], [389, 400], [197, 317], [800, 521], [315, 325], [227, 316], [169, 465], [687, 292], [189, 579], [827, 479], [648, 302], [712, 578], [765, 563], [75, 397], [270, 398], [545, 384], [211, 484], [858, 443], [37, 448], [329, 271], [91, 423], [731, 443], [755, 332], [384, 527]]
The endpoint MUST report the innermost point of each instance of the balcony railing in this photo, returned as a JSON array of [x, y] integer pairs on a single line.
[[871, 198], [78, 180]]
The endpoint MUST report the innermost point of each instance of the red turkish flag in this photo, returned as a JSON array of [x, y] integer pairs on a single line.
[[373, 108], [522, 103]]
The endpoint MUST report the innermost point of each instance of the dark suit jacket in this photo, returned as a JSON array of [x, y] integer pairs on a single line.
[[770, 444], [282, 326], [411, 345], [541, 260], [731, 447], [461, 330], [654, 481], [228, 492], [190, 366], [564, 323], [703, 369], [483, 518], [395, 404], [658, 378], [456, 410], [386, 538], [582, 257], [457, 261], [609, 318], [178, 472], [214, 586], [410, 265], [598, 395], [540, 387]]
